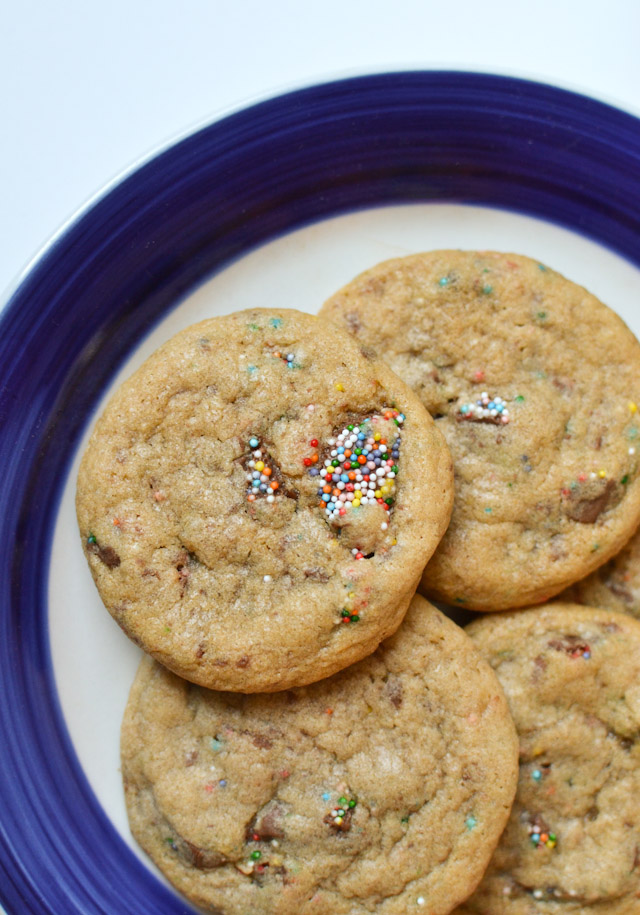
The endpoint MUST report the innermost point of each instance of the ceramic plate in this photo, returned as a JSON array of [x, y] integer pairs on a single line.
[[276, 205]]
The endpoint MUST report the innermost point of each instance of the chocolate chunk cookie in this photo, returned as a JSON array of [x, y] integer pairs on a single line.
[[572, 845], [382, 789], [534, 383], [258, 501], [615, 585]]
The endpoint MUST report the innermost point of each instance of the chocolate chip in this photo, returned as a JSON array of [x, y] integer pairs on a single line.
[[394, 691], [587, 503], [106, 554], [244, 661], [202, 858]]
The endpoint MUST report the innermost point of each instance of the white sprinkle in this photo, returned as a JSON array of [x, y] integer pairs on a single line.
[[334, 453], [257, 454], [275, 843], [384, 526], [632, 450], [354, 551], [420, 900], [271, 498], [267, 578], [538, 894], [311, 407], [593, 475], [331, 441], [252, 463]]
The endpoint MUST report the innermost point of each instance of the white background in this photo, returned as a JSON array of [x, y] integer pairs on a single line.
[[87, 88]]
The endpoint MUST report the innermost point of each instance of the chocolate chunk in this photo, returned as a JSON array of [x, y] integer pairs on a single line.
[[268, 823], [202, 858], [394, 691], [244, 661], [106, 554], [587, 503], [316, 574]]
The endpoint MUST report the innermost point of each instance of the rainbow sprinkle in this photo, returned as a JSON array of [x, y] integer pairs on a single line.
[[484, 410], [361, 468], [541, 838], [339, 817], [259, 475]]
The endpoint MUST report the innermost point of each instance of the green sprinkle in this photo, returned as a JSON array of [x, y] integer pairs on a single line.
[[395, 469], [536, 775], [216, 745], [443, 281], [352, 804], [170, 842], [167, 628], [471, 822], [251, 369], [541, 315], [552, 836], [92, 538], [389, 501], [256, 855], [254, 327], [542, 267], [487, 290], [632, 433], [350, 428], [519, 399], [275, 322], [355, 618], [595, 547], [573, 485], [345, 613], [342, 800], [625, 479], [488, 511]]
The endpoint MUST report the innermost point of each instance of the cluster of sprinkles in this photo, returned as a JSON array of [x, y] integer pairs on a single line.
[[484, 410], [289, 359], [260, 475], [339, 817], [539, 838], [361, 468]]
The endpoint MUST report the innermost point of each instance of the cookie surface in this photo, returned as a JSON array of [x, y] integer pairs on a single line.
[[213, 536], [615, 585], [545, 462], [571, 676], [382, 789]]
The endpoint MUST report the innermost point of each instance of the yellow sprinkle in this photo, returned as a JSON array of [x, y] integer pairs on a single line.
[[355, 504], [259, 465], [339, 387], [351, 593], [377, 437], [393, 542], [633, 407], [602, 474]]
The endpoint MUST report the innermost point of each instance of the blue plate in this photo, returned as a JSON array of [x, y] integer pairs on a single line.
[[100, 287]]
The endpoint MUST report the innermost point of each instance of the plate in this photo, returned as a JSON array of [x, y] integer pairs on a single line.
[[288, 198]]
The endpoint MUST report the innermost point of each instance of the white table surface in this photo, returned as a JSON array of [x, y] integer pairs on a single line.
[[87, 88]]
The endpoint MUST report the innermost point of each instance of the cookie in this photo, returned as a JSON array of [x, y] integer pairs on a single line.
[[257, 503], [571, 676], [615, 585], [382, 789], [534, 384]]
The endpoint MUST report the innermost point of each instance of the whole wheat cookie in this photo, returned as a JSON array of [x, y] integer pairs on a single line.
[[615, 585], [534, 383], [571, 676], [257, 503], [382, 789]]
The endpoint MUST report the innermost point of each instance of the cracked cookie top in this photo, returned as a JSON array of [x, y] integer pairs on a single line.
[[535, 385], [571, 676], [257, 503], [381, 789]]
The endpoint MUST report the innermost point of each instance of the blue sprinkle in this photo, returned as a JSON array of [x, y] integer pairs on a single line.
[[536, 775], [255, 482], [444, 281], [223, 783], [326, 796], [471, 822], [216, 744], [253, 442], [464, 408], [586, 655], [274, 322], [340, 450], [314, 472], [326, 497], [344, 478]]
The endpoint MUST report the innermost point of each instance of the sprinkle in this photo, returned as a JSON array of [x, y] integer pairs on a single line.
[[479, 375], [326, 796], [602, 474], [538, 894], [443, 281], [267, 579], [339, 386], [541, 315], [536, 775], [471, 822], [420, 900], [633, 407], [311, 407], [253, 442], [92, 539], [216, 744], [487, 290], [519, 399], [486, 409], [223, 783], [256, 855], [632, 450], [276, 322]]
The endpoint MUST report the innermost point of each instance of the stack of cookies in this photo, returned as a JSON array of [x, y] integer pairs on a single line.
[[259, 504]]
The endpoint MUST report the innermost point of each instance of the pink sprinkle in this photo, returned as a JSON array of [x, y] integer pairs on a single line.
[[479, 375]]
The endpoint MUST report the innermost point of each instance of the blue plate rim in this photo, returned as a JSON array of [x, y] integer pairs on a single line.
[[68, 325]]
